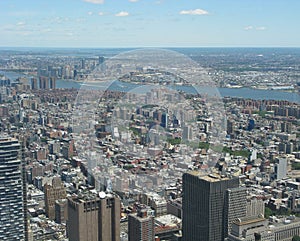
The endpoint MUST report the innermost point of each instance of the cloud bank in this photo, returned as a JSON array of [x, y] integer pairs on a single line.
[[197, 11]]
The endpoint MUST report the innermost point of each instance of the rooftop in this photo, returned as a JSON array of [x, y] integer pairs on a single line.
[[213, 177], [248, 220], [167, 220]]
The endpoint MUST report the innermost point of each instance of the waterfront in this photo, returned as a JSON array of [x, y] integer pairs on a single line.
[[248, 93]]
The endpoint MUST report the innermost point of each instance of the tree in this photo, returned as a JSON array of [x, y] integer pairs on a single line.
[[296, 238], [268, 212]]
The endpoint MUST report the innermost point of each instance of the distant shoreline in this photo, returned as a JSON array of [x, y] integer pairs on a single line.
[[146, 47]]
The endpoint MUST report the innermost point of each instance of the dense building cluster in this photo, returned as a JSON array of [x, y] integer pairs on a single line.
[[155, 171]]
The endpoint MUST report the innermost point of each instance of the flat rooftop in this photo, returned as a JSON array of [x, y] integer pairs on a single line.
[[246, 221], [213, 177], [167, 220]]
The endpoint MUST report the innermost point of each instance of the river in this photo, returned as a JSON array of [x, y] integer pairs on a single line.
[[255, 94]]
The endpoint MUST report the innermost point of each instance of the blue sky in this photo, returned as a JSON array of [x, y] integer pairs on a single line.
[[149, 23]]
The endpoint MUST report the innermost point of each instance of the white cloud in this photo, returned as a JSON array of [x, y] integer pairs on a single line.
[[101, 13], [90, 13], [133, 1], [248, 27], [122, 14], [20, 23], [95, 1], [197, 11], [261, 28]]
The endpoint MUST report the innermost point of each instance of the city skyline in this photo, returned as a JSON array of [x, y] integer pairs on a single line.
[[143, 120], [143, 23], [94, 155]]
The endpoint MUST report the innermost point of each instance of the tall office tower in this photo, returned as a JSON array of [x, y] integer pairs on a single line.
[[34, 84], [230, 127], [83, 64], [235, 205], [141, 225], [53, 192], [94, 218], [280, 168], [101, 63], [41, 84], [251, 125], [164, 120], [13, 222], [61, 210], [101, 60], [44, 83], [289, 147], [203, 206], [286, 127], [52, 83], [187, 133], [24, 189]]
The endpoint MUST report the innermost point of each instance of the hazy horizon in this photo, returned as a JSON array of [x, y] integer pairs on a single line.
[[151, 23]]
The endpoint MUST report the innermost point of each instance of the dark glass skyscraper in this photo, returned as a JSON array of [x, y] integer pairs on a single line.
[[204, 212], [12, 212]]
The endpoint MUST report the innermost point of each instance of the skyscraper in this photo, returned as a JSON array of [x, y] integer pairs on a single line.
[[230, 127], [53, 192], [101, 60], [187, 133], [204, 214], [61, 210], [164, 120], [286, 127], [280, 168], [52, 83], [235, 205], [83, 64], [12, 204], [44, 82], [141, 225], [94, 218], [34, 85]]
